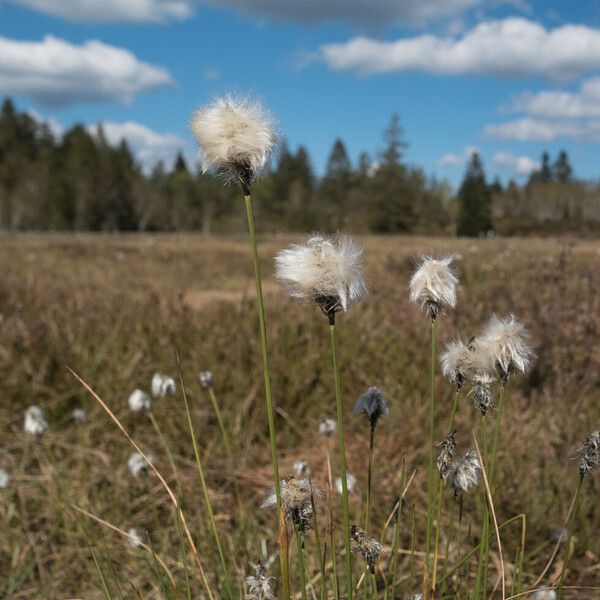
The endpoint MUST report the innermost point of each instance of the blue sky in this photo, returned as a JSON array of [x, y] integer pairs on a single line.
[[507, 77]]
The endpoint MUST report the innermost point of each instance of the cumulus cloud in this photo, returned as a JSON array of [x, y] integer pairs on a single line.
[[512, 47], [557, 103], [531, 129], [57, 73], [457, 160], [147, 145], [91, 11], [519, 165]]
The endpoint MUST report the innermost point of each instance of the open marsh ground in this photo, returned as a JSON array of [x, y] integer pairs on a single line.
[[115, 308]]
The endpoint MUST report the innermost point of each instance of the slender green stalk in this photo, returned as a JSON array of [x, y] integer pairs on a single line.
[[300, 549], [369, 478], [521, 556], [164, 444], [480, 581], [209, 509], [317, 539], [570, 526], [340, 431], [396, 537], [430, 469], [448, 538], [283, 558], [413, 533], [496, 433]]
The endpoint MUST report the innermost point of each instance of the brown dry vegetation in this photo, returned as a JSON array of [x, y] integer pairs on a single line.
[[114, 308]]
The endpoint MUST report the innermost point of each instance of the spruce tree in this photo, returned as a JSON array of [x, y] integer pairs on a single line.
[[475, 201]]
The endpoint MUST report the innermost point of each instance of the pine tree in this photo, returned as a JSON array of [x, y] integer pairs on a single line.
[[475, 212], [562, 168]]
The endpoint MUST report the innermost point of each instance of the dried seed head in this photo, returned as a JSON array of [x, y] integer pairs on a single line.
[[366, 547], [434, 285], [373, 405], [546, 594], [139, 401], [327, 427], [138, 465], [259, 585], [589, 454], [507, 342], [482, 392], [446, 455], [327, 271], [464, 474], [206, 379], [297, 497], [134, 538], [301, 467], [35, 423], [350, 483], [236, 137], [162, 386], [458, 362]]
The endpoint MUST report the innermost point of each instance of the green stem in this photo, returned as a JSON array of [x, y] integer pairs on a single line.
[[480, 581], [396, 537], [369, 475], [209, 509], [301, 561], [430, 470], [268, 399], [570, 526], [498, 426], [340, 431]]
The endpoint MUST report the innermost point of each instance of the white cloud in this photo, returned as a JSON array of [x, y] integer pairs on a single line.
[[111, 10], [556, 103], [511, 47], [542, 130], [147, 145], [56, 73], [55, 127], [457, 160], [519, 165]]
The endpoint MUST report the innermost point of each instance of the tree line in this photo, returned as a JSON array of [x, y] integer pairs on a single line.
[[80, 182]]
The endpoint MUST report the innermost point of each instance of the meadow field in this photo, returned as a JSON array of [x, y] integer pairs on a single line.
[[117, 308]]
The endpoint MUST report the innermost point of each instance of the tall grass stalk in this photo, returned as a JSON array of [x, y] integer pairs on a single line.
[[369, 477], [209, 510], [301, 568], [570, 525], [343, 471], [497, 429], [481, 581], [283, 555], [396, 535], [430, 469]]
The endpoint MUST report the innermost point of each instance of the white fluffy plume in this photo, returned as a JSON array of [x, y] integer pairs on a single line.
[[139, 400], [434, 285], [323, 269], [235, 136], [457, 362], [464, 474], [35, 423], [162, 385], [507, 343]]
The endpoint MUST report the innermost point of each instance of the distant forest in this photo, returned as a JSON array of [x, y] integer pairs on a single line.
[[80, 182]]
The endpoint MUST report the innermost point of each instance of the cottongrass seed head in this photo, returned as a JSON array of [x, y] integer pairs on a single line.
[[236, 136], [373, 405], [445, 457], [327, 427], [434, 286], [350, 483], [544, 595], [138, 465], [324, 270], [482, 392], [4, 479], [139, 401], [134, 538], [162, 386], [206, 379], [259, 585], [297, 496], [301, 467], [464, 474], [589, 454], [78, 415], [35, 423], [457, 361], [507, 342], [366, 547]]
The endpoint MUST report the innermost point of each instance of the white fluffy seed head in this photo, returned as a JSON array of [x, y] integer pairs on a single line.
[[134, 537], [507, 342], [323, 270], [78, 415], [464, 474], [35, 423], [138, 465], [457, 361], [301, 467], [327, 427], [350, 483], [236, 137], [544, 595], [139, 400], [433, 285], [4, 479], [259, 585], [162, 385], [206, 379]]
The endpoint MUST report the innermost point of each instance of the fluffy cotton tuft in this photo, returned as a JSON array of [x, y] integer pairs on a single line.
[[366, 547], [464, 474], [373, 405], [78, 415], [507, 342], [327, 427], [482, 392], [134, 537], [138, 465], [589, 454], [139, 400], [457, 362], [301, 467], [4, 479], [259, 585], [350, 483], [544, 595], [434, 286], [236, 137], [323, 270], [35, 423], [206, 379], [162, 385]]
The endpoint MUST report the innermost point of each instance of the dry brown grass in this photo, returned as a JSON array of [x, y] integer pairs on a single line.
[[114, 308]]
